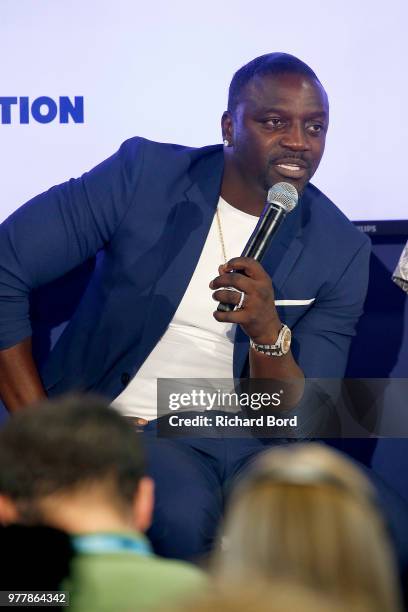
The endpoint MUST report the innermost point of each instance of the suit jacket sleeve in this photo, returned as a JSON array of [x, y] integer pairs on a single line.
[[323, 335], [58, 230]]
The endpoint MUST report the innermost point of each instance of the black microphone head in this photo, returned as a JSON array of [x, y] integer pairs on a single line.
[[284, 195]]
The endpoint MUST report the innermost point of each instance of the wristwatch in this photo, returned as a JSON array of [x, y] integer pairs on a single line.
[[281, 346]]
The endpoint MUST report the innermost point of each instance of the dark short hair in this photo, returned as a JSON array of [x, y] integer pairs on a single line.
[[268, 64], [63, 444]]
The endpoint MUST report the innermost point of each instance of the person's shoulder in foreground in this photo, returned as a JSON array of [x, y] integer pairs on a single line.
[[125, 581]]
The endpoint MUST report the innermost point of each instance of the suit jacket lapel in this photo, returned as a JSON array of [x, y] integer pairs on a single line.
[[186, 235]]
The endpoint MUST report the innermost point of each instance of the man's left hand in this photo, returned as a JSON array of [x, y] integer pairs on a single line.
[[257, 317]]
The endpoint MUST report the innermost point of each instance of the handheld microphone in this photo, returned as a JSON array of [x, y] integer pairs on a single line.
[[281, 199]]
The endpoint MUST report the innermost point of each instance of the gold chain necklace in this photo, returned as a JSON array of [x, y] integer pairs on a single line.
[[224, 253], [240, 304]]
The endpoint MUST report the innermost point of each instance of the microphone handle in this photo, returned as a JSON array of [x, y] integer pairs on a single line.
[[268, 224]]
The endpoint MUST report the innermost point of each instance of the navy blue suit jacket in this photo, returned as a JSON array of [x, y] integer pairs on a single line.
[[146, 211]]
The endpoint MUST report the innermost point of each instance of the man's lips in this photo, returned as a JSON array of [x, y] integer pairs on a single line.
[[291, 168]]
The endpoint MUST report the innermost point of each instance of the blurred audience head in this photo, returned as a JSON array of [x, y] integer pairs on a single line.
[[307, 513], [75, 464], [34, 558]]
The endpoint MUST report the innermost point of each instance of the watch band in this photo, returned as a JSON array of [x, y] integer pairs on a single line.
[[281, 346]]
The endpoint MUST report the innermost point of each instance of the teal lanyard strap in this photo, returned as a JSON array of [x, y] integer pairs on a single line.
[[109, 543]]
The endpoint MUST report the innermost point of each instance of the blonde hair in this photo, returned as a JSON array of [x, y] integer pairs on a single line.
[[278, 596], [307, 513]]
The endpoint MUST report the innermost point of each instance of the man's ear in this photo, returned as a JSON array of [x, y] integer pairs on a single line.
[[8, 511], [143, 504], [227, 127]]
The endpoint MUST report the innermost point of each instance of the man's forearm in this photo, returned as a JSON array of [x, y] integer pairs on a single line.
[[279, 368], [284, 370], [20, 383]]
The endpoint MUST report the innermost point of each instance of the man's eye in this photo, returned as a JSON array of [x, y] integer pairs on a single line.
[[274, 122], [315, 128]]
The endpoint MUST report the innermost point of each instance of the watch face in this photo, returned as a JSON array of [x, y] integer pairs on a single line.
[[286, 339]]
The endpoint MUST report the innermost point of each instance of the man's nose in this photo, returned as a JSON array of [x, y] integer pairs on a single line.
[[295, 138]]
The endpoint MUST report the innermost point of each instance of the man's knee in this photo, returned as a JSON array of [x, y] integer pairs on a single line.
[[188, 500]]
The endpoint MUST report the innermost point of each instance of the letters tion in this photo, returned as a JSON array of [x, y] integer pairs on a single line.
[[43, 109]]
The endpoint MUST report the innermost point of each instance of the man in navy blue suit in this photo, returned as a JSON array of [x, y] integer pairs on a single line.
[[162, 220]]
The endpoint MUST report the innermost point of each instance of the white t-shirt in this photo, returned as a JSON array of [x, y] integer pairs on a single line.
[[194, 345]]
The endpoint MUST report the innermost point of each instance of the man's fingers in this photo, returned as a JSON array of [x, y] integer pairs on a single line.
[[251, 267], [239, 316], [232, 279], [227, 296]]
